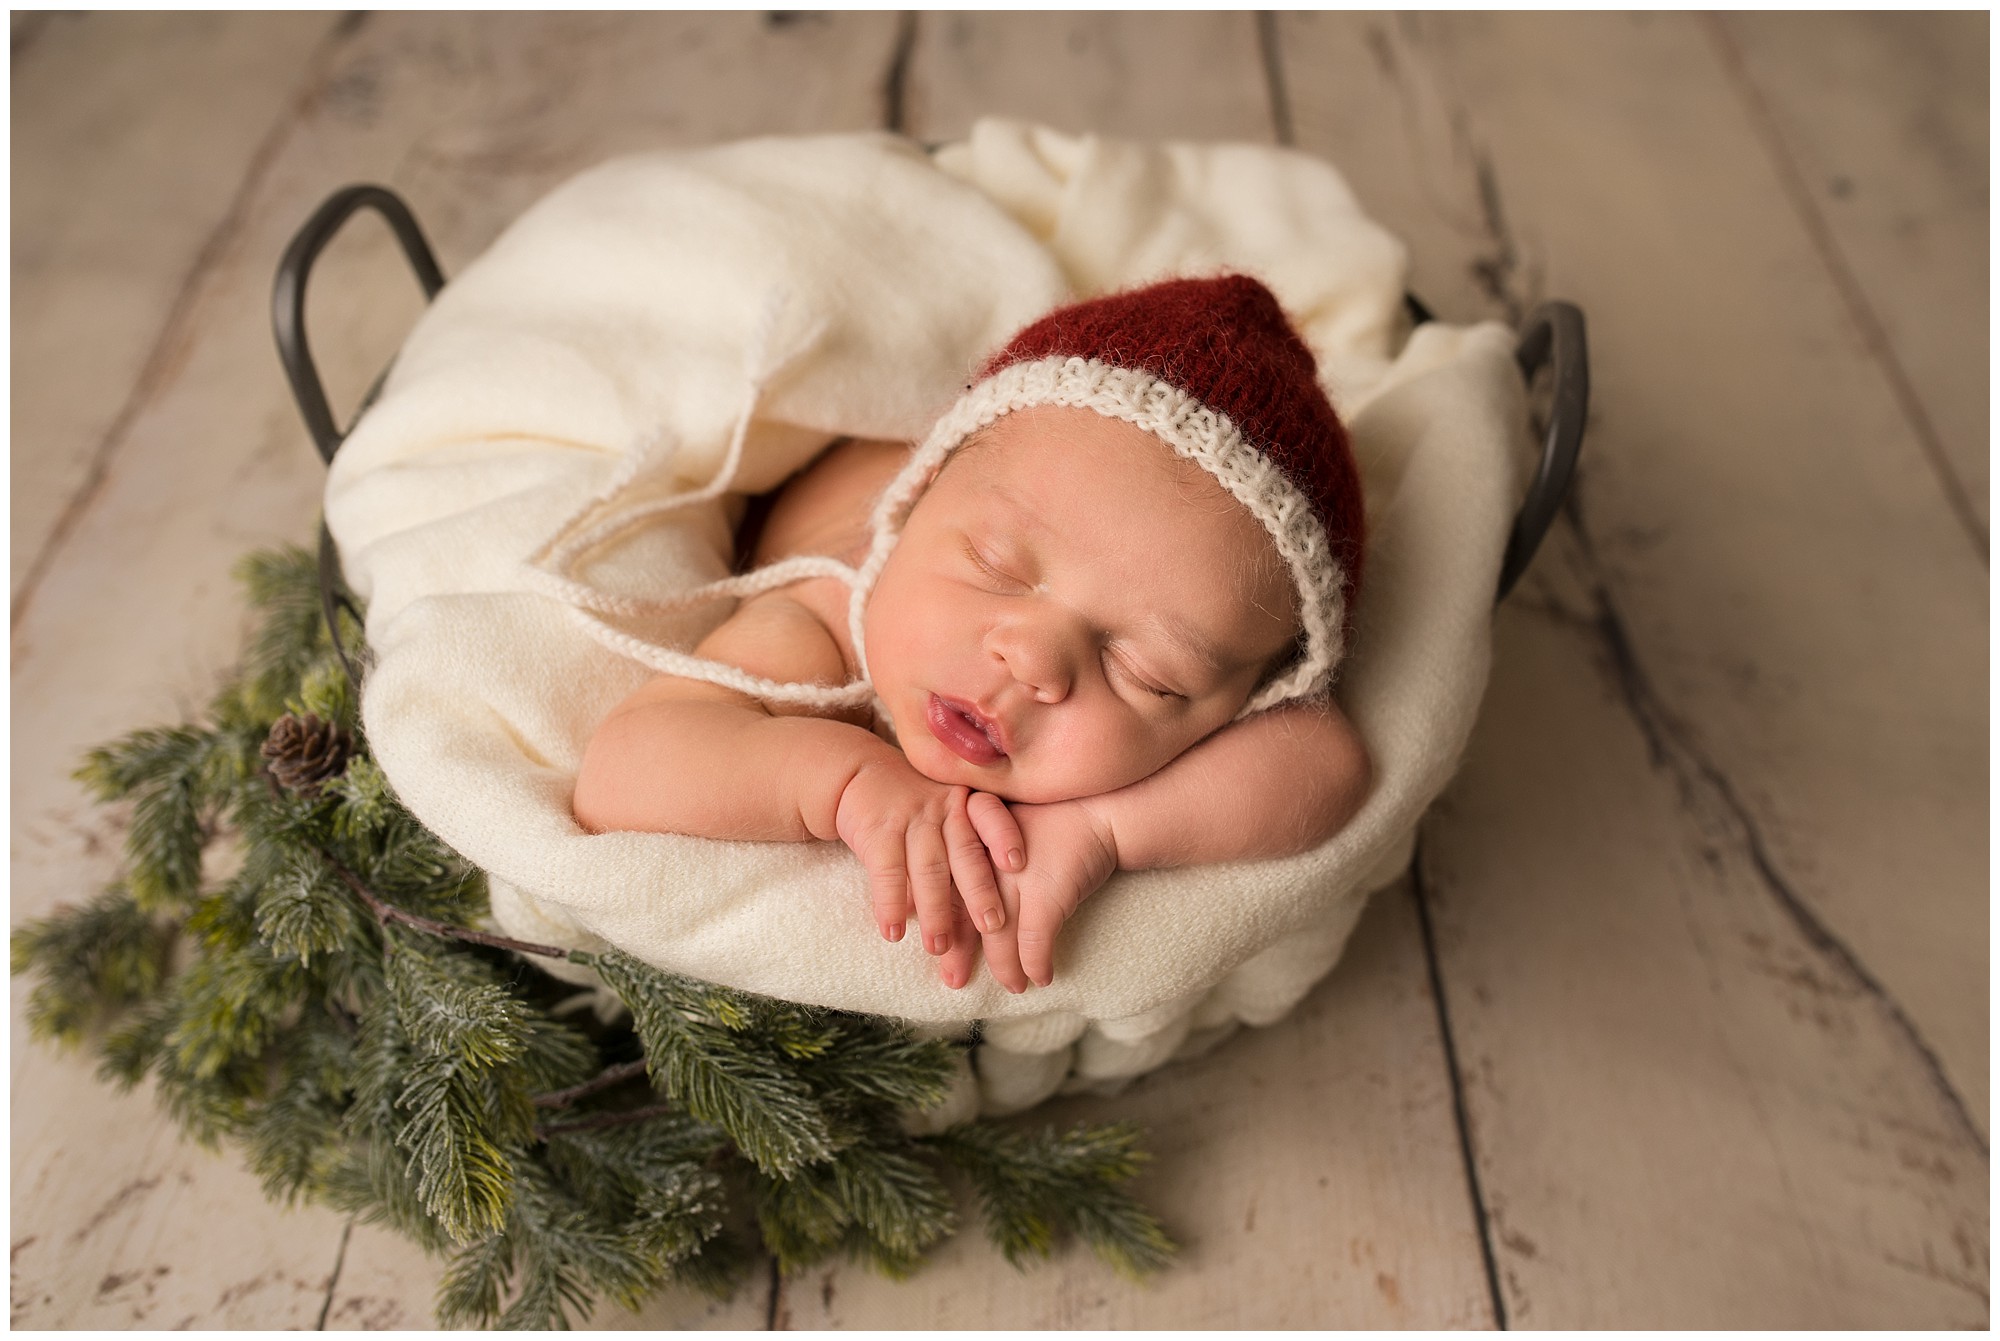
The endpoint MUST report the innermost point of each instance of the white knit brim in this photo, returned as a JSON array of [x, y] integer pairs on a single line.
[[1195, 432]]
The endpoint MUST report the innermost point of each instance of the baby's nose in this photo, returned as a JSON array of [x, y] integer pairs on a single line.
[[1039, 655]]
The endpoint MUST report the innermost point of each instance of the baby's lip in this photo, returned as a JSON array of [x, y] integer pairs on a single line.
[[943, 707]]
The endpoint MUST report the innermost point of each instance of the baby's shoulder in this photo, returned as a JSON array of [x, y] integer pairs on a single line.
[[795, 635]]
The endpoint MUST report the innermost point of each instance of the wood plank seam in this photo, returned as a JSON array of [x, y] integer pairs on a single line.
[[333, 1277], [1510, 283], [1501, 275], [27, 28], [1274, 77], [171, 345], [1671, 744], [1482, 1224], [896, 80], [1862, 312]]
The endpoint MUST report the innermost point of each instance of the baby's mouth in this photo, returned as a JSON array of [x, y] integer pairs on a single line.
[[961, 729]]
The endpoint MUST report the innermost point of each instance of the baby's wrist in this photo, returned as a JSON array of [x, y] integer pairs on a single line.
[[1101, 817], [849, 773]]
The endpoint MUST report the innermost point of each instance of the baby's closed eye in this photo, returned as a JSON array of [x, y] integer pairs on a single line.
[[1123, 666], [991, 568]]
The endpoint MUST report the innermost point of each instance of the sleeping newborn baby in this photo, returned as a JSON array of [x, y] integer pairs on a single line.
[[1099, 608]]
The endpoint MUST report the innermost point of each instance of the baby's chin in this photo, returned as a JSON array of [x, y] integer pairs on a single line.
[[1006, 788]]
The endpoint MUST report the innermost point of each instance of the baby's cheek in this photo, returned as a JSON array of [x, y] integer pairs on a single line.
[[1102, 754]]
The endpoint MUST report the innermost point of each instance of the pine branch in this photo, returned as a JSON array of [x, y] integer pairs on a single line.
[[606, 1079], [470, 1291], [624, 1117], [94, 960], [557, 1055], [465, 1177], [767, 1108], [896, 1201], [169, 773], [300, 913], [567, 1254], [387, 913], [674, 1216], [137, 1043], [877, 1061], [283, 585], [1035, 1187]]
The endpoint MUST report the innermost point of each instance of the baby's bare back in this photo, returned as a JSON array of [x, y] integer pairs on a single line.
[[824, 508]]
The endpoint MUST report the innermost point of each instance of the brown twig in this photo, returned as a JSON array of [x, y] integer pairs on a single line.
[[621, 1119], [388, 912], [603, 1080]]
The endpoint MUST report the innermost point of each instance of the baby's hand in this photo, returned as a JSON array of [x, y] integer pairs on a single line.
[[1071, 851], [917, 838]]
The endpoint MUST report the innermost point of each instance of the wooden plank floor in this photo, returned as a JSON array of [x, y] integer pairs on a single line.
[[1681, 1017]]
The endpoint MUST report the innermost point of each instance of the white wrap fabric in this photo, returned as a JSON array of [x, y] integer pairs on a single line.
[[817, 286]]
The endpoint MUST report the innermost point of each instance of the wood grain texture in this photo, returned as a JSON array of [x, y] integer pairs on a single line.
[[1310, 1171], [1180, 75], [133, 133], [470, 116], [385, 1285], [1710, 892], [1684, 1114], [1884, 117]]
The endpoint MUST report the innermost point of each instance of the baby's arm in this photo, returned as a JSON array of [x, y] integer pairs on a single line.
[[683, 756], [1272, 785]]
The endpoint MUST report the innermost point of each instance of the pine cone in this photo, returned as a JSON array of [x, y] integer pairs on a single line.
[[303, 752]]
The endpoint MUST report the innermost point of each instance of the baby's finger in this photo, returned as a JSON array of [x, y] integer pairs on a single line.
[[971, 869], [888, 887], [930, 881], [1003, 957], [1040, 920], [999, 830], [955, 965]]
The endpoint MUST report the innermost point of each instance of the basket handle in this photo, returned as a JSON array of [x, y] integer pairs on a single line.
[[288, 295], [288, 322], [1551, 335]]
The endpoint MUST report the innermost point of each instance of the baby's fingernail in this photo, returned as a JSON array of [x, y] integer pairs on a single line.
[[894, 933], [1015, 861], [1044, 982], [1017, 990], [939, 944], [992, 920]]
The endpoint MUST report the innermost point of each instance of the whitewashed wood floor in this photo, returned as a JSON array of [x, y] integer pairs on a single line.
[[1680, 1018]]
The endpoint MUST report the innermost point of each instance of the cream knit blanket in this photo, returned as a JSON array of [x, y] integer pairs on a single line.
[[664, 318]]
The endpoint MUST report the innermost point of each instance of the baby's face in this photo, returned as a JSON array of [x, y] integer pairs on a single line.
[[1070, 607]]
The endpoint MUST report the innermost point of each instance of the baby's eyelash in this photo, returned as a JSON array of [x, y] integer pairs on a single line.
[[979, 561], [1166, 695]]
